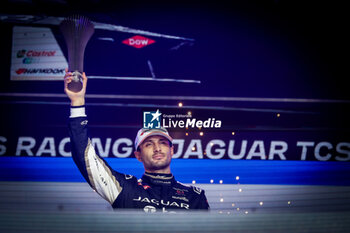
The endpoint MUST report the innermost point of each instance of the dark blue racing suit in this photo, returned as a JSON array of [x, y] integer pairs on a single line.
[[153, 192]]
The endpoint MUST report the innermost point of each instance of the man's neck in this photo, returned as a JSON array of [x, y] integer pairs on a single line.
[[160, 171]]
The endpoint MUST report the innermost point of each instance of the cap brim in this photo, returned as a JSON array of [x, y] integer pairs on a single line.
[[156, 133]]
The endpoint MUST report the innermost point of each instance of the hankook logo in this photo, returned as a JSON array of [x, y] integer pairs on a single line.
[[39, 71]]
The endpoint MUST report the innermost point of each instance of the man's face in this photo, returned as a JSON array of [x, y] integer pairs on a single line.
[[155, 154]]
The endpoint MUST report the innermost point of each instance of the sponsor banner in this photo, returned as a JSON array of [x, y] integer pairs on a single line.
[[37, 132], [36, 55], [301, 146]]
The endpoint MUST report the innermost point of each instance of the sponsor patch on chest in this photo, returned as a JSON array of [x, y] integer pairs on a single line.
[[162, 202]]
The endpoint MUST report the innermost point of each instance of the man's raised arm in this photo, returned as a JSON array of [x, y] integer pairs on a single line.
[[94, 169]]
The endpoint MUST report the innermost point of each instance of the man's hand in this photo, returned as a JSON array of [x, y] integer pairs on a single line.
[[76, 98]]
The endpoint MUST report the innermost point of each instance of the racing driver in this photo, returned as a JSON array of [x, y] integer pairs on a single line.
[[157, 190]]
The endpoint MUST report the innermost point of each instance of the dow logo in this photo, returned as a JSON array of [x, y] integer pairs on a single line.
[[138, 41]]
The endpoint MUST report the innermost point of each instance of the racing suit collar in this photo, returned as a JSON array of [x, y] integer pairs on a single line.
[[159, 178]]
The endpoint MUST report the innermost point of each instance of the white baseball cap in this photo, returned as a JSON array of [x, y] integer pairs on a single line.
[[143, 133]]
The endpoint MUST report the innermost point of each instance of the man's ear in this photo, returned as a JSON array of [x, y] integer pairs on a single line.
[[172, 150], [138, 155]]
